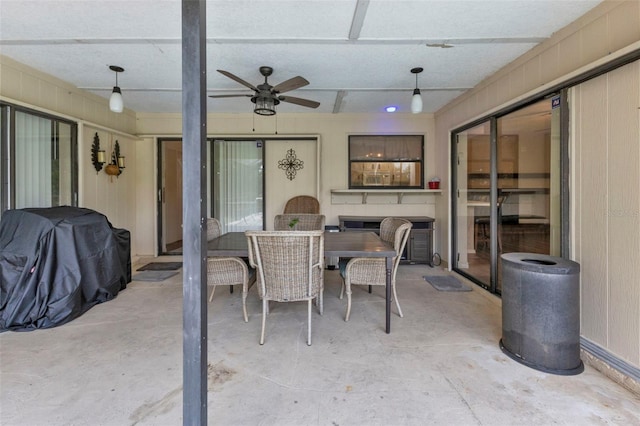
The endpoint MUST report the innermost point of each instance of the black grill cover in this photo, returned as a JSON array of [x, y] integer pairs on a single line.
[[56, 263]]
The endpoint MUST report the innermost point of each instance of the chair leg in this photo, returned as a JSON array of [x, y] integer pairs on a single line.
[[309, 322], [346, 318], [244, 303], [342, 290], [212, 291], [395, 296], [319, 301], [264, 319]]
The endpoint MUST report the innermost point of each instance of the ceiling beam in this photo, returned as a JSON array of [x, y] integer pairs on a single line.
[[337, 105], [323, 89], [358, 19], [437, 42]]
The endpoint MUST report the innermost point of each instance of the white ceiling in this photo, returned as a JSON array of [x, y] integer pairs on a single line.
[[360, 51]]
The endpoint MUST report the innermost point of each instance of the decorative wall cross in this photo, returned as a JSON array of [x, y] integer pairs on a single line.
[[290, 164]]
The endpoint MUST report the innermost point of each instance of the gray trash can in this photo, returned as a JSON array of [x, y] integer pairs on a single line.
[[541, 312]]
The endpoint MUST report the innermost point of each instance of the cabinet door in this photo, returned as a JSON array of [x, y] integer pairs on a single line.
[[419, 246]]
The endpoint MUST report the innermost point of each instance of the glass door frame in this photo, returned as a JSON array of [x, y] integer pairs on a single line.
[[211, 178], [492, 119], [161, 194], [493, 197]]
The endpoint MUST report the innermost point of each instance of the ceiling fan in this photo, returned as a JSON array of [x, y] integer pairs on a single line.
[[266, 96]]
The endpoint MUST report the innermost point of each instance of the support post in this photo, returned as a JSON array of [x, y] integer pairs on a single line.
[[194, 134]]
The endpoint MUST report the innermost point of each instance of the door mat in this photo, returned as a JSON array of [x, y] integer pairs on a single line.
[[161, 266], [153, 275], [446, 283]]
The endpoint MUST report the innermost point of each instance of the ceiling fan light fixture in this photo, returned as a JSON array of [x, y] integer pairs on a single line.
[[266, 96], [265, 106], [416, 99], [116, 103]]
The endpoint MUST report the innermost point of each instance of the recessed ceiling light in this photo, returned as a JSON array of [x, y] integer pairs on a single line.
[[391, 108]]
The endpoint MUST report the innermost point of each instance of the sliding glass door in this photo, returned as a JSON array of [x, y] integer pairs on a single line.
[[170, 196], [238, 184], [235, 188], [471, 202], [507, 190], [38, 160], [529, 219]]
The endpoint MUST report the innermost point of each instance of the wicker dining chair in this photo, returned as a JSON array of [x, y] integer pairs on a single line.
[[373, 271], [299, 222], [228, 270], [289, 268], [302, 204]]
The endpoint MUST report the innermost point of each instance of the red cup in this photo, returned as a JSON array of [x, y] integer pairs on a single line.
[[434, 185]]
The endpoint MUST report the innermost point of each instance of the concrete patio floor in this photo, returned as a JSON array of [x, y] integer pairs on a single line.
[[121, 364]]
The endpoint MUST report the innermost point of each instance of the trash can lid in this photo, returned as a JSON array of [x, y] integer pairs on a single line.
[[542, 263]]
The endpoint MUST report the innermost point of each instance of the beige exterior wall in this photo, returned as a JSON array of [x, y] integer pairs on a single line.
[[606, 208], [332, 131], [605, 147], [116, 198], [26, 86], [130, 200]]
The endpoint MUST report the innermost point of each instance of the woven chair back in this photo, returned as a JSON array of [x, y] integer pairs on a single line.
[[214, 228], [299, 222], [289, 264], [389, 228], [302, 204]]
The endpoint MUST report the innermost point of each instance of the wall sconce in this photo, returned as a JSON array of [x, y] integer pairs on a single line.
[[98, 157], [117, 162]]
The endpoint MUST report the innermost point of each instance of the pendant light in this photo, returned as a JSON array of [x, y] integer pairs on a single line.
[[115, 102], [416, 99]]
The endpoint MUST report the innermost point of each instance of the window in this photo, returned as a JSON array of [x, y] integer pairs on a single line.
[[386, 161], [38, 159]]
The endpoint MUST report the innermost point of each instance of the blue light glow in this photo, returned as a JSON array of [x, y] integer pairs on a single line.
[[391, 108]]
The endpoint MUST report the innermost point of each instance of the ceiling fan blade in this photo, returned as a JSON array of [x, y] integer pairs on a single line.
[[238, 79], [229, 96], [299, 101], [291, 84]]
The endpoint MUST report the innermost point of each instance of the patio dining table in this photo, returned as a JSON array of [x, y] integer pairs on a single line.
[[336, 244]]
